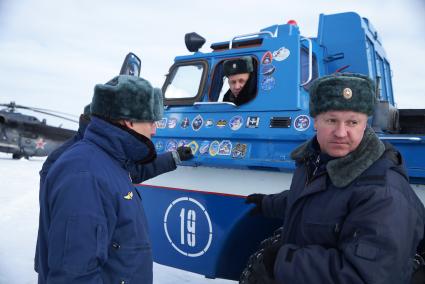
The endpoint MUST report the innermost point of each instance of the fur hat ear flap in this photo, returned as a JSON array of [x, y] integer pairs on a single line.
[[126, 97], [158, 105]]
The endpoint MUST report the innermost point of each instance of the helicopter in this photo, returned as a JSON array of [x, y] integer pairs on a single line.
[[27, 136]]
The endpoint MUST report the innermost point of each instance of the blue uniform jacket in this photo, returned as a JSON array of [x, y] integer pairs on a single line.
[[366, 231], [139, 173], [51, 159], [93, 227]]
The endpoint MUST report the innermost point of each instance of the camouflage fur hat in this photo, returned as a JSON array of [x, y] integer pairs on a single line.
[[344, 91], [158, 105], [238, 66], [127, 97]]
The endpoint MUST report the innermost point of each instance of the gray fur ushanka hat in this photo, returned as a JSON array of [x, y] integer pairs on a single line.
[[344, 91], [238, 66], [127, 97]]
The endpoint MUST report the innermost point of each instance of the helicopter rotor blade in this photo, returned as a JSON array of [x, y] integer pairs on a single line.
[[53, 111], [55, 115]]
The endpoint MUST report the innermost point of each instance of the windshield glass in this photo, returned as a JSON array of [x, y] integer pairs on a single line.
[[185, 82]]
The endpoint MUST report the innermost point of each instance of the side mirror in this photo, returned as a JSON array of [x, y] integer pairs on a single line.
[[193, 41], [131, 65]]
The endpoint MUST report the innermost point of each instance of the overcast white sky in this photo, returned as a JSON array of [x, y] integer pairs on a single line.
[[52, 53]]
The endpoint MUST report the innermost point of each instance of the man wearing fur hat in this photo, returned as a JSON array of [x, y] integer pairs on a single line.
[[93, 228], [350, 215], [239, 77]]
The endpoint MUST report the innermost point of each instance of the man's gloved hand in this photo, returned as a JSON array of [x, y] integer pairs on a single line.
[[185, 153], [257, 199], [269, 257]]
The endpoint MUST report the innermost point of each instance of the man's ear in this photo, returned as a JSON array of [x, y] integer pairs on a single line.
[[128, 124]]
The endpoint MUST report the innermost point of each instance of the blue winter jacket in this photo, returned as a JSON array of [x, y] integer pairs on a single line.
[[356, 220], [93, 227], [139, 173], [51, 159]]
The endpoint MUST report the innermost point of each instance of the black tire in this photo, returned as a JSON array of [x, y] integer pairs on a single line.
[[16, 156]]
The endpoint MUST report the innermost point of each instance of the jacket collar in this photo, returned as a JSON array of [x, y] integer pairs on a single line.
[[124, 146], [342, 171]]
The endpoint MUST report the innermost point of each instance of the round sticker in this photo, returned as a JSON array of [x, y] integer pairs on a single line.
[[281, 54], [188, 227], [236, 122], [171, 146], [302, 123], [159, 146], [209, 123]]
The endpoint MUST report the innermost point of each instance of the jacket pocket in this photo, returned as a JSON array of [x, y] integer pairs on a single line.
[[85, 244], [132, 262], [321, 233]]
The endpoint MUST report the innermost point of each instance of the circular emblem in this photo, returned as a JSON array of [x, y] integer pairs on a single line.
[[236, 122], [281, 54], [171, 146], [268, 83], [301, 123], [159, 146], [188, 227], [347, 93], [209, 123]]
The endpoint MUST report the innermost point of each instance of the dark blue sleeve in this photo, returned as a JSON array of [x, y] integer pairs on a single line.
[[376, 243], [274, 205], [162, 164], [81, 220]]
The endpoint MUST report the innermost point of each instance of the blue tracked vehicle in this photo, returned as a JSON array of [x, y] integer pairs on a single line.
[[197, 216]]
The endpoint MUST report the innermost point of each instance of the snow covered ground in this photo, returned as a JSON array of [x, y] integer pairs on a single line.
[[19, 182]]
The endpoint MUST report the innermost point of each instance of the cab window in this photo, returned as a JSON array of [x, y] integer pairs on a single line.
[[185, 82], [220, 83]]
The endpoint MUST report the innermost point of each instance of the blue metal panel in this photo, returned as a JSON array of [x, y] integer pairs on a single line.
[[343, 33], [198, 231]]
